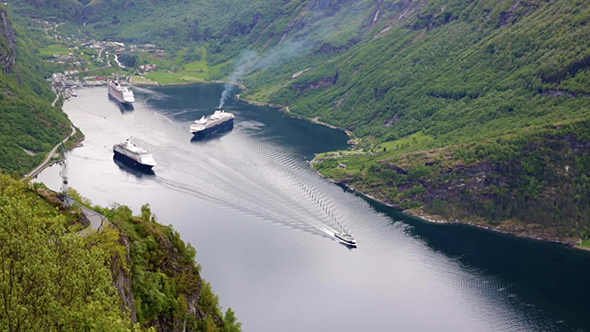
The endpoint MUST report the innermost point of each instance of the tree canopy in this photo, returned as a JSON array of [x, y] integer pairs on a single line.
[[52, 278]]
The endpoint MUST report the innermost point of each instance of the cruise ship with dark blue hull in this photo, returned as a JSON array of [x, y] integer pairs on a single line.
[[133, 155], [219, 121], [226, 126], [126, 165], [128, 161]]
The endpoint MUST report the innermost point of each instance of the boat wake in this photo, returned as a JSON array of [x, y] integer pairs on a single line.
[[252, 176], [150, 93]]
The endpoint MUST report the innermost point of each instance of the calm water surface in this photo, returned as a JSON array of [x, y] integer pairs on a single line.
[[261, 221]]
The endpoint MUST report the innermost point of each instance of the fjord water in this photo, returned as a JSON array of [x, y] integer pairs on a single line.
[[260, 220]]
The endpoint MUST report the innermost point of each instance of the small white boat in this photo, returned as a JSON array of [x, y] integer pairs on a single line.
[[346, 239]]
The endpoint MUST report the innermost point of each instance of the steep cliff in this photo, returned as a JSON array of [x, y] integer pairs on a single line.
[[7, 59], [157, 277]]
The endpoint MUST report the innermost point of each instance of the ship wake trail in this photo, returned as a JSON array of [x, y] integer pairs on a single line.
[[259, 179], [151, 94]]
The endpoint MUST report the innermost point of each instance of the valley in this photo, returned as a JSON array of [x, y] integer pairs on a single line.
[[472, 116]]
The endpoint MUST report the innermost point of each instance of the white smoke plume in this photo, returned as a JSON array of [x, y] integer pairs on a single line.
[[225, 94], [249, 61]]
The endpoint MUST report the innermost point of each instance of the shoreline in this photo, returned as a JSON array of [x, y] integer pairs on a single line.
[[410, 213], [425, 217], [415, 213], [155, 83], [47, 161], [287, 112], [283, 109]]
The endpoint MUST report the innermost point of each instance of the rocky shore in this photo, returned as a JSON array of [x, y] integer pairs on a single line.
[[508, 227]]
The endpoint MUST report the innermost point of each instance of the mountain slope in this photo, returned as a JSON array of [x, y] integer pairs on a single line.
[[436, 89], [29, 125], [476, 69]]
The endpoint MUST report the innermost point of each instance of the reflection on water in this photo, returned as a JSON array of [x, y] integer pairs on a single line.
[[124, 108], [137, 171], [227, 195]]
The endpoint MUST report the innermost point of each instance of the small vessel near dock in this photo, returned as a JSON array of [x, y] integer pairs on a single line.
[[73, 93], [134, 155], [218, 121], [346, 239], [121, 93]]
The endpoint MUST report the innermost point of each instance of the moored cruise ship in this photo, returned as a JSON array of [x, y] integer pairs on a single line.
[[121, 93], [219, 120], [134, 155]]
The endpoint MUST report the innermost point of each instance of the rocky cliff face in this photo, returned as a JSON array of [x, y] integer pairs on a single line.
[[158, 279], [171, 264], [122, 279], [8, 42]]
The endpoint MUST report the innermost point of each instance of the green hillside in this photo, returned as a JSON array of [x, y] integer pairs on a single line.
[[430, 88], [474, 74], [133, 275], [29, 125]]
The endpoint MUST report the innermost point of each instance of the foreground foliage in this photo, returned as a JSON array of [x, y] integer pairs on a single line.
[[168, 289], [56, 278], [52, 279]]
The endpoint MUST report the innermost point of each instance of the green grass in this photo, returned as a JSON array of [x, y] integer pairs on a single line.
[[197, 66], [55, 49], [172, 78], [216, 70], [102, 72], [174, 70], [585, 243], [354, 161], [135, 79], [417, 140], [178, 59], [197, 69]]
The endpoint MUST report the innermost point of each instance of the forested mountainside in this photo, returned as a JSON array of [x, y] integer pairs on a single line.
[[447, 86], [29, 125], [379, 68], [133, 275]]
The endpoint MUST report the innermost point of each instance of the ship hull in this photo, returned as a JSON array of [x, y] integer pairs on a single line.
[[132, 162], [227, 125], [137, 171]]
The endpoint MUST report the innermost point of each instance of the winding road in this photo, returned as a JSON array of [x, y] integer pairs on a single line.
[[97, 220], [50, 155]]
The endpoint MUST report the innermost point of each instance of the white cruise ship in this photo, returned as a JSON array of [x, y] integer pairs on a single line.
[[121, 93], [219, 120], [134, 155]]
